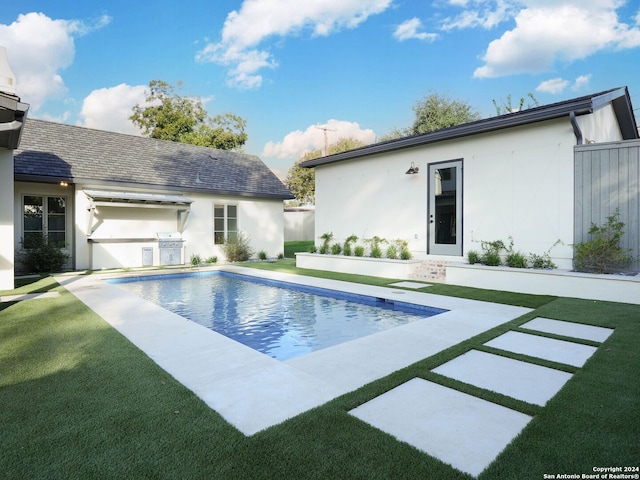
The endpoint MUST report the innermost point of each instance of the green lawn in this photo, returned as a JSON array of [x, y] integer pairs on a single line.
[[81, 402], [290, 248]]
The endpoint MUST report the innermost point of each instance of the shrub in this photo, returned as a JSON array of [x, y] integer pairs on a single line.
[[473, 257], [213, 259], [262, 255], [359, 251], [281, 256], [42, 256], [336, 249], [516, 260], [326, 240], [237, 249], [405, 254], [603, 254], [347, 244], [376, 252], [195, 260], [313, 249], [392, 252], [491, 258], [541, 261]]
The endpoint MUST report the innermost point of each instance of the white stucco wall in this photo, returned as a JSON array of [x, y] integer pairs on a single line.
[[261, 220], [516, 182], [601, 126], [6, 220]]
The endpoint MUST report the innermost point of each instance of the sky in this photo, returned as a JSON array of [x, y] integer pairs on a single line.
[[295, 70]]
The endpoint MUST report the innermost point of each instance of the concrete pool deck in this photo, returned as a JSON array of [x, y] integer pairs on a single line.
[[253, 391]]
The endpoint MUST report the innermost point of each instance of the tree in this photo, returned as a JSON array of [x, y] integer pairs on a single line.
[[437, 111], [302, 181], [434, 112], [169, 116], [506, 107]]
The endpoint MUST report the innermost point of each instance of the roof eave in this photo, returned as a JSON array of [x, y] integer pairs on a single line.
[[618, 97], [132, 185]]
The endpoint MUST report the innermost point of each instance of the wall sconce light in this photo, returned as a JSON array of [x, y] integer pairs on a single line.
[[412, 170], [64, 184]]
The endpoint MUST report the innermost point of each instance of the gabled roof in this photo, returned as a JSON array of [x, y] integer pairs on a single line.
[[53, 152], [619, 98]]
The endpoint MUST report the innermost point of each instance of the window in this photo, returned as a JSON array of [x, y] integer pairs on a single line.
[[44, 216], [225, 223]]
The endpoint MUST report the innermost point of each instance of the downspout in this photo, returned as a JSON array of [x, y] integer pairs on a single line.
[[576, 128]]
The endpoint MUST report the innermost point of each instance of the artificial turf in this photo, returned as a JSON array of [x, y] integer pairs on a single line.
[[79, 401]]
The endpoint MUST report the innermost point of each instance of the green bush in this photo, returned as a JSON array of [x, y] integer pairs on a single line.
[[237, 249], [516, 260], [326, 241], [313, 249], [262, 255], [405, 254], [541, 261], [603, 254], [213, 259], [336, 249], [392, 252], [491, 258], [347, 244], [195, 259], [281, 256], [359, 251], [473, 257], [376, 252], [42, 256]]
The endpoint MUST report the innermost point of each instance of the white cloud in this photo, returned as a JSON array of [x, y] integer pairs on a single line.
[[481, 13], [554, 85], [258, 20], [296, 143], [110, 108], [558, 85], [409, 29], [581, 82], [548, 32], [38, 49]]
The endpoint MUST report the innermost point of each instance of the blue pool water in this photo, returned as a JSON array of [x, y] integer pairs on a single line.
[[282, 320]]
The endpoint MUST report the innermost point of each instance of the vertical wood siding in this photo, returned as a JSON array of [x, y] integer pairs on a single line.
[[607, 176]]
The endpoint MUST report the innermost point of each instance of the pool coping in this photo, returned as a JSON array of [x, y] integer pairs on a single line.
[[253, 391]]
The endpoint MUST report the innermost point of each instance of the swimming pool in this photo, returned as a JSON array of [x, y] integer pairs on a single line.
[[282, 320]]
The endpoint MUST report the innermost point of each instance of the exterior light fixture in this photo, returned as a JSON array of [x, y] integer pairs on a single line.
[[64, 184], [412, 170]]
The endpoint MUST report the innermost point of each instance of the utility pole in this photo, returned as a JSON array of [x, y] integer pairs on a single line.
[[326, 142]]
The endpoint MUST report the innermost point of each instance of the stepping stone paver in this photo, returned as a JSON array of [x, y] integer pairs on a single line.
[[521, 380], [541, 347], [464, 431], [569, 329]]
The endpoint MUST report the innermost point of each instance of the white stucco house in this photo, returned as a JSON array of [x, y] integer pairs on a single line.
[[508, 176], [118, 200], [13, 114]]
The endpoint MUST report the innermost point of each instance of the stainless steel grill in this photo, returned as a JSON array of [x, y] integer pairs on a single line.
[[170, 245]]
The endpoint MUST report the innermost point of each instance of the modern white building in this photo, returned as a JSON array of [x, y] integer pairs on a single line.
[[117, 200], [514, 175]]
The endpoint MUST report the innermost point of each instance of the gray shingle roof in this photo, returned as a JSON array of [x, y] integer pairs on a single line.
[[52, 152]]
